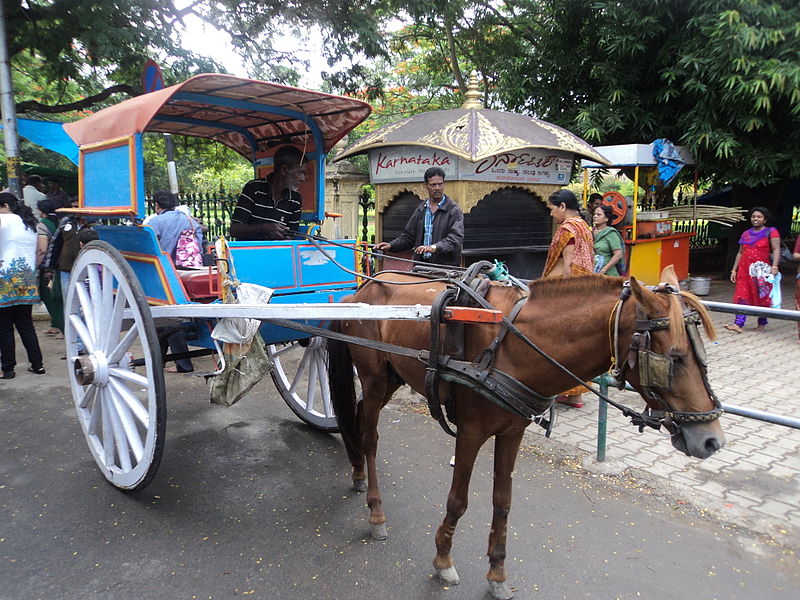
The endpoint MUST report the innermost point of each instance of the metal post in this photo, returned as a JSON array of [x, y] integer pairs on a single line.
[[602, 419], [9, 112], [172, 172]]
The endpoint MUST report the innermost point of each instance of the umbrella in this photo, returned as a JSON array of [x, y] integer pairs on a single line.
[[473, 133]]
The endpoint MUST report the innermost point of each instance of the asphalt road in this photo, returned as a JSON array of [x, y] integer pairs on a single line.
[[251, 503]]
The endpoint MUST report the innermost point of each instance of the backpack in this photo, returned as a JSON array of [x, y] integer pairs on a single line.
[[187, 250]]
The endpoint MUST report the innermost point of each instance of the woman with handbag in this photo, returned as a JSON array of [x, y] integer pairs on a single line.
[[19, 289], [759, 251]]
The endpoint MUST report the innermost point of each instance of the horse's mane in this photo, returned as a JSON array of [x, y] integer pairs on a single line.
[[593, 284], [584, 284], [705, 316]]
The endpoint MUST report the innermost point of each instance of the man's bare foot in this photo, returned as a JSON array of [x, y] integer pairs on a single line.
[[760, 328], [733, 327]]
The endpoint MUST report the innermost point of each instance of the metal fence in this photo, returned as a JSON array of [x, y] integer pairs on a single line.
[[214, 209]]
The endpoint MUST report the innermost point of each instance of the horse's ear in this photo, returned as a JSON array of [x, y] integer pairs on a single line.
[[668, 276], [644, 296]]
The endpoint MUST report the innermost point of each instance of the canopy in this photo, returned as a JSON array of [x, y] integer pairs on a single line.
[[248, 116], [48, 134], [473, 133]]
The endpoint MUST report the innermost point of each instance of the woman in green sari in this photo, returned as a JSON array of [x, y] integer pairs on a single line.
[[609, 248]]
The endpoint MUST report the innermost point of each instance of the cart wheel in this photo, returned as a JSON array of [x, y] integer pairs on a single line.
[[301, 376], [122, 412]]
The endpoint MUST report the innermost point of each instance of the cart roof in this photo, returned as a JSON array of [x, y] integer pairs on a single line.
[[248, 116]]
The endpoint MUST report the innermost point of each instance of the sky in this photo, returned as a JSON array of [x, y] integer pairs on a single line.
[[199, 37]]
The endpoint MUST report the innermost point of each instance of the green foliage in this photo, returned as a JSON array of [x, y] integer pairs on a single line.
[[201, 165], [725, 82], [722, 78]]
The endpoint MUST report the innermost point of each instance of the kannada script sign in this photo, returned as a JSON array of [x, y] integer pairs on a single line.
[[409, 163]]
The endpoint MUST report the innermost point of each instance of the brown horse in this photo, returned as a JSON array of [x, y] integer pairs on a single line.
[[572, 320]]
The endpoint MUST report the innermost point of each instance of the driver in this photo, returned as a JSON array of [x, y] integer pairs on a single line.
[[269, 209]]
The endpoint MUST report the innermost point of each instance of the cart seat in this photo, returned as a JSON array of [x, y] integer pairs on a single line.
[[200, 284]]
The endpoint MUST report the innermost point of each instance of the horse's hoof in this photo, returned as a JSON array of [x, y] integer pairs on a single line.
[[378, 531], [500, 590], [360, 485], [448, 576]]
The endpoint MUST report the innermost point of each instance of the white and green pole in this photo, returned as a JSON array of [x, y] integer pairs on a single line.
[[9, 112]]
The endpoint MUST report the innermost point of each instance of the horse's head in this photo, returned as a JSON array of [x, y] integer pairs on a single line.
[[666, 364]]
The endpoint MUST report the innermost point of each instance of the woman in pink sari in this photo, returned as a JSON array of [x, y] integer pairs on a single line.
[[759, 250], [571, 252]]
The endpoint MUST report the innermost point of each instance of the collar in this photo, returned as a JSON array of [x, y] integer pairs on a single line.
[[440, 205]]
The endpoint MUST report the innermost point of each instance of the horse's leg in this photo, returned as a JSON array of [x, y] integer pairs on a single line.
[[359, 472], [506, 448], [467, 446], [371, 407]]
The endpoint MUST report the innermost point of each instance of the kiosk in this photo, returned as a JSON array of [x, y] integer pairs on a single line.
[[500, 167], [650, 243]]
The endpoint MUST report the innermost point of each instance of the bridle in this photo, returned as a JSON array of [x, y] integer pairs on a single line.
[[655, 370]]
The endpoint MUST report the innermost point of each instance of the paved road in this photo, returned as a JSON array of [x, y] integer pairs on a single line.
[[250, 503], [755, 479]]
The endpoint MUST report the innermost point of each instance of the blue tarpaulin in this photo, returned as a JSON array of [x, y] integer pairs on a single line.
[[50, 135], [668, 160]]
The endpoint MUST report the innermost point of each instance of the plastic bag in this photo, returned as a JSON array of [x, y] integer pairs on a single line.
[[242, 371], [775, 293], [240, 330]]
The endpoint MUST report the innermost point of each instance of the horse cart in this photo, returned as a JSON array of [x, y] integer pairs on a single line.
[[124, 287], [517, 346]]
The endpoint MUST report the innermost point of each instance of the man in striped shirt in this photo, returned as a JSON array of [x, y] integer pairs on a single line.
[[269, 209]]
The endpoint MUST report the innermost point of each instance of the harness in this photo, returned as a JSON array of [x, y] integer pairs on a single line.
[[503, 390], [655, 370]]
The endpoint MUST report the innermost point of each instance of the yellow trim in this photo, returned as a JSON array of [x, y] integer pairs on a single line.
[[586, 188], [154, 260], [635, 201], [130, 141]]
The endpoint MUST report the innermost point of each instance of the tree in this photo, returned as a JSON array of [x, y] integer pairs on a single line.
[[106, 43], [721, 78]]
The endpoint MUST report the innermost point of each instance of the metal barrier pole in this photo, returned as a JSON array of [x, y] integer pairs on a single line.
[[760, 415], [753, 311], [602, 419]]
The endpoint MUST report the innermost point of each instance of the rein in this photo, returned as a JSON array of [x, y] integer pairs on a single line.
[[655, 370]]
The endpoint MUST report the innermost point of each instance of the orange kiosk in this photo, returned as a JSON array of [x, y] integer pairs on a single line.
[[650, 244]]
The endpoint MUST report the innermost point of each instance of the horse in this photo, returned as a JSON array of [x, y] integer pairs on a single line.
[[582, 322]]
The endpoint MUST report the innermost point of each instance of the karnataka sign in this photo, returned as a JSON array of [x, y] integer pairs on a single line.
[[532, 165]]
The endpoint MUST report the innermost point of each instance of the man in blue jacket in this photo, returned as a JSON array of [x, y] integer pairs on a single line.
[[436, 228]]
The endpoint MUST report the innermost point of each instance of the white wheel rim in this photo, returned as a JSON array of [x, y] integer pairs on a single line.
[[303, 381], [117, 407]]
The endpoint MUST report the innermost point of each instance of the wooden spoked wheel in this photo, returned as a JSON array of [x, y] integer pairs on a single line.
[[618, 204], [301, 377], [108, 326]]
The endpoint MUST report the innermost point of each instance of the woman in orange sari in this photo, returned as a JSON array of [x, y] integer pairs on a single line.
[[572, 250], [571, 253]]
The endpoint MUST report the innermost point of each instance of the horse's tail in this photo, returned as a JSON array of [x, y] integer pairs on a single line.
[[343, 397]]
